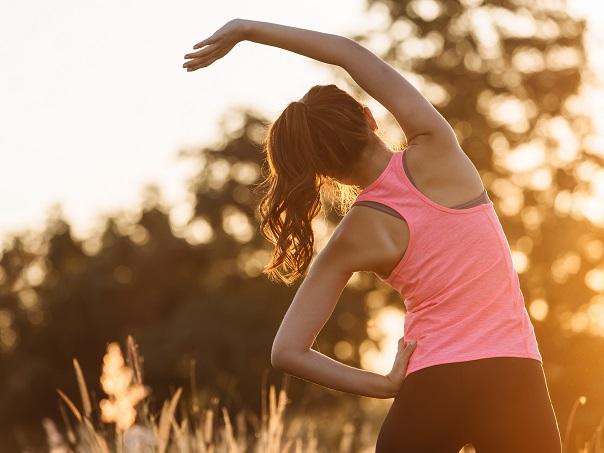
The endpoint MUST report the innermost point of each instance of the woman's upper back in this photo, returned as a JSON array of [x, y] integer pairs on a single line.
[[448, 179], [461, 292], [420, 217]]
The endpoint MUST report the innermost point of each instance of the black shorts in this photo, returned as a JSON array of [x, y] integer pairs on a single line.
[[497, 404]]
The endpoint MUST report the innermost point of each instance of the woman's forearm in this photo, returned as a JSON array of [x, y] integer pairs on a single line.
[[323, 370], [324, 47], [380, 80]]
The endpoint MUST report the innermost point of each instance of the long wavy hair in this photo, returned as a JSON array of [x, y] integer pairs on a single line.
[[313, 142]]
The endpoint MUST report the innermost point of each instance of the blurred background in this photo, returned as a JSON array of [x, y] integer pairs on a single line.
[[128, 204]]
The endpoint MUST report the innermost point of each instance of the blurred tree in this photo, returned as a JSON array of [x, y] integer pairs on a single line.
[[188, 286], [507, 76], [189, 293]]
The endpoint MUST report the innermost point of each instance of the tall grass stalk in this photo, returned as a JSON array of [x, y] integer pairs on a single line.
[[565, 444], [137, 429]]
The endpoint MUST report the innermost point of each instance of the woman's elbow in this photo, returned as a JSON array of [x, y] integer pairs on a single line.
[[283, 359], [278, 355], [275, 360]]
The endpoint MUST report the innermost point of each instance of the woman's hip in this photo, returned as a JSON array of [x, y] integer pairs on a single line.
[[447, 405]]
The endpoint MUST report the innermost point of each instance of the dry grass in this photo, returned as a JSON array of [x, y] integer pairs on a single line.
[[127, 424]]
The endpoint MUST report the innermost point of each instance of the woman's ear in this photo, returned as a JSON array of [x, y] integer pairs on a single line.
[[370, 118]]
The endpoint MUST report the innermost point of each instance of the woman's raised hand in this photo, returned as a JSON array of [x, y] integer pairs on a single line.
[[399, 369], [216, 46]]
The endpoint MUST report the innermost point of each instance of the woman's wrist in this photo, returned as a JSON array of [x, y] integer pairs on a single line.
[[245, 28], [389, 388]]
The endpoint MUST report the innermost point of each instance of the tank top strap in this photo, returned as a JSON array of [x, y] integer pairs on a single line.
[[483, 197], [385, 190]]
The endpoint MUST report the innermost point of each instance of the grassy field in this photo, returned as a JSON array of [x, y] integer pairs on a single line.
[[127, 425]]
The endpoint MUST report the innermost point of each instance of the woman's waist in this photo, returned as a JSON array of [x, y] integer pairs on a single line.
[[449, 308], [469, 334], [477, 362]]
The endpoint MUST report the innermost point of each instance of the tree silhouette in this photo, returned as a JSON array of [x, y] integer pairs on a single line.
[[504, 74]]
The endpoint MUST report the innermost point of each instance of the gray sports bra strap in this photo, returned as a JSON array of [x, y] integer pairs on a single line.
[[482, 198]]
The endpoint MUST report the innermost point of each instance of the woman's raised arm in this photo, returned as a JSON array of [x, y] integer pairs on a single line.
[[415, 114]]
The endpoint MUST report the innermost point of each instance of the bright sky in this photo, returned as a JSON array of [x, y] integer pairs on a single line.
[[95, 103]]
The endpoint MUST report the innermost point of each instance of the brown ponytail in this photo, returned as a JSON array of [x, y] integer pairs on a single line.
[[313, 142]]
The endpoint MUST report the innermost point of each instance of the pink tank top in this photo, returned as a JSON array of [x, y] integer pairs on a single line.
[[461, 292]]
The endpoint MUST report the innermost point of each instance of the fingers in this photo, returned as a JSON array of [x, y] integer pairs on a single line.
[[411, 346], [401, 362], [404, 355], [402, 345], [203, 57], [406, 351], [201, 53], [209, 40], [202, 64], [401, 342], [194, 64]]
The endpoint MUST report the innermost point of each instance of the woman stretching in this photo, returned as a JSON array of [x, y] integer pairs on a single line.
[[470, 370]]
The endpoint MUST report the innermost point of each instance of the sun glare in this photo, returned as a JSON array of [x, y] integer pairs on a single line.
[[386, 328]]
